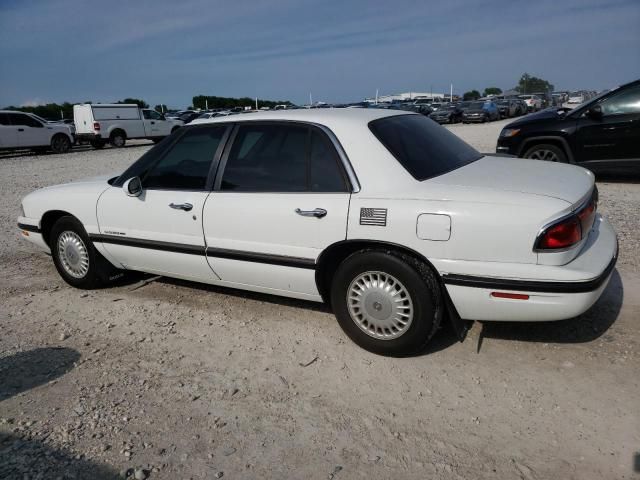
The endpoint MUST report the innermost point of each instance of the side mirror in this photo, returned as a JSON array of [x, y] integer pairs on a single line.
[[133, 187], [595, 112]]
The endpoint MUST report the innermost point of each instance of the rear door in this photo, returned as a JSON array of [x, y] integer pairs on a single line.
[[614, 138], [160, 231], [281, 197], [8, 132]]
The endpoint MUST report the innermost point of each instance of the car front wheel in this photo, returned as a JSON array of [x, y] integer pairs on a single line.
[[387, 303], [75, 258], [60, 143], [549, 153]]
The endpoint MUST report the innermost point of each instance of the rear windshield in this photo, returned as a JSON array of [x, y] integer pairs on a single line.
[[423, 148]]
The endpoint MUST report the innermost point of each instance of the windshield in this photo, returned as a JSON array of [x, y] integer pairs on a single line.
[[591, 100], [477, 105], [421, 146]]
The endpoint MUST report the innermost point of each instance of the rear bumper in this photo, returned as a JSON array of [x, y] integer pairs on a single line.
[[548, 298], [89, 137]]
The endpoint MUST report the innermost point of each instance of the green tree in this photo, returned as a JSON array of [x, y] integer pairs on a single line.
[[137, 101], [204, 101], [491, 91], [531, 84], [471, 95]]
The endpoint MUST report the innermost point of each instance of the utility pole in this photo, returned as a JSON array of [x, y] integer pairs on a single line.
[[256, 103], [376, 96], [310, 100], [206, 104], [451, 93]]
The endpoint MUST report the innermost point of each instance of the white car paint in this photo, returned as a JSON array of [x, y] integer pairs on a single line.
[[15, 133], [134, 121], [479, 221]]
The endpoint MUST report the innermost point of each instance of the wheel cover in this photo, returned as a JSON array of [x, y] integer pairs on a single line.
[[380, 305], [118, 140], [544, 154], [59, 144], [73, 254]]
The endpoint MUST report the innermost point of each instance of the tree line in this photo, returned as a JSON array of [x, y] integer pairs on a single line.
[[526, 84], [56, 111]]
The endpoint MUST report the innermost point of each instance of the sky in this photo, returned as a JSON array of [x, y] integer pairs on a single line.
[[338, 50]]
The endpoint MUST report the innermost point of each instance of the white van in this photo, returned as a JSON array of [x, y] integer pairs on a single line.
[[115, 123]]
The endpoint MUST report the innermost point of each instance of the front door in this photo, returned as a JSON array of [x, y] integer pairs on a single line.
[[160, 231], [614, 138], [280, 199], [30, 132], [152, 120]]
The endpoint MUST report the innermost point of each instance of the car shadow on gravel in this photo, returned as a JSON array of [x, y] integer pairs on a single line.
[[22, 458], [587, 327], [23, 371], [444, 337]]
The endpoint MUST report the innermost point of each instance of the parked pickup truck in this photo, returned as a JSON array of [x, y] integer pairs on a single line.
[[115, 123]]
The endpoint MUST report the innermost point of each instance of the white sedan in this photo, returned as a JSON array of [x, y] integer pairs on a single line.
[[385, 215]]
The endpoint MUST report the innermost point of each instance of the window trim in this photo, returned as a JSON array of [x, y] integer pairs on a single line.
[[212, 167], [344, 165]]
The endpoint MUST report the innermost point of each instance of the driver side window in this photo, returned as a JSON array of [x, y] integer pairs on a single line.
[[186, 165], [624, 102]]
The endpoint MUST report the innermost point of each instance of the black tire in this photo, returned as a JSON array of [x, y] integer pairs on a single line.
[[60, 143], [99, 270], [97, 144], [118, 139], [547, 152], [420, 285], [173, 130]]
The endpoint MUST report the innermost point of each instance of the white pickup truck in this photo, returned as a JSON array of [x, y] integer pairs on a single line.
[[115, 123]]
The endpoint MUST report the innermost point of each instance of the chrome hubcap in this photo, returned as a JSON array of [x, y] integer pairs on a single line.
[[73, 254], [547, 155], [380, 305]]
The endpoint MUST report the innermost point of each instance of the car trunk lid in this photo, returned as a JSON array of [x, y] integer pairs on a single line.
[[557, 180]]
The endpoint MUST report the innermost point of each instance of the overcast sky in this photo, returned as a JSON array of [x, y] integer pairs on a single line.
[[169, 51]]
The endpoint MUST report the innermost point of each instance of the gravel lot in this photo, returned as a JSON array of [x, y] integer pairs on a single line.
[[177, 380]]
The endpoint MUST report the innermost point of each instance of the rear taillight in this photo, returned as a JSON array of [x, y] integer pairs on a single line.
[[570, 230], [561, 235], [96, 126]]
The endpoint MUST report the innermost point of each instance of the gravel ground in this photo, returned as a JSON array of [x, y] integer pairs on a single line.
[[178, 380]]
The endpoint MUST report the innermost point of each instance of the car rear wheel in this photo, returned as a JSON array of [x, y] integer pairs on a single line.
[[549, 153], [387, 303], [118, 139], [74, 256], [60, 143]]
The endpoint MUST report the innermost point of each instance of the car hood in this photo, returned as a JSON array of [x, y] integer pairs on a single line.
[[474, 110], [548, 179], [542, 115]]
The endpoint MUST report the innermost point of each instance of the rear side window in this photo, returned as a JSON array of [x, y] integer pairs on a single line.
[[423, 148], [187, 163], [4, 119], [282, 158]]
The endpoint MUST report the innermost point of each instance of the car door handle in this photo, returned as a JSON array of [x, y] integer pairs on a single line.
[[181, 206], [21, 129], [317, 212], [153, 123]]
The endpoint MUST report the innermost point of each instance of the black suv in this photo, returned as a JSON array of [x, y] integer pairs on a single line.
[[601, 134]]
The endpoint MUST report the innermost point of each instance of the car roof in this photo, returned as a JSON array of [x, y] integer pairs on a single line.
[[323, 116]]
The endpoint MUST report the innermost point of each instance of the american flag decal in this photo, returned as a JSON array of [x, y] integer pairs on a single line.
[[373, 216]]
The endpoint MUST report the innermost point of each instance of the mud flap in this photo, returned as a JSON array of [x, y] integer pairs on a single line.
[[460, 326]]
